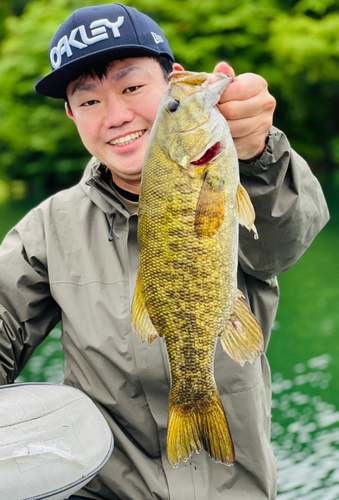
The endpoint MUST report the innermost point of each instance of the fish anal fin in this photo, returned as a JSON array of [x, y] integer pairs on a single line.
[[243, 339], [196, 427], [210, 211], [245, 210], [140, 318]]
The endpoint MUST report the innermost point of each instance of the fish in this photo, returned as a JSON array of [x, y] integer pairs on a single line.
[[190, 206]]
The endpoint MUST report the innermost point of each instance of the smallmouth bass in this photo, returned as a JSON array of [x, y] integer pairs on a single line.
[[191, 203]]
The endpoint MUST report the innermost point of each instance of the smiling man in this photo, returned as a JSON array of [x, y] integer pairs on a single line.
[[114, 116], [75, 257]]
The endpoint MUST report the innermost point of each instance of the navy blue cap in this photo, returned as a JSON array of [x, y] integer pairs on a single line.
[[95, 35]]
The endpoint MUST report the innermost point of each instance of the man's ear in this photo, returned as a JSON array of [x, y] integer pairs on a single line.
[[177, 67], [69, 111]]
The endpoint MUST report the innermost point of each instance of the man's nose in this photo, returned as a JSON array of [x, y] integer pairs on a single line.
[[117, 113]]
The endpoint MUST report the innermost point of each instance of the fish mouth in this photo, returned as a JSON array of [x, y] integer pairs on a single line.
[[209, 155]]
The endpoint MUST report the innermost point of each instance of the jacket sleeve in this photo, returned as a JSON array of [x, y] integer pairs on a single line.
[[27, 310], [290, 209]]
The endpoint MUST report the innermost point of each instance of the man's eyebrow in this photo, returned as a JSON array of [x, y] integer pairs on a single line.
[[83, 86], [119, 75]]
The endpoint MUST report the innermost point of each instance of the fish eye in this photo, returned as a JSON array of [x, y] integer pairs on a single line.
[[173, 105]]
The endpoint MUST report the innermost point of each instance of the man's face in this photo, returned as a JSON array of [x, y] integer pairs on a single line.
[[114, 116]]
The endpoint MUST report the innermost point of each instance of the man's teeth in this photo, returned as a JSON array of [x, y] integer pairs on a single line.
[[122, 141]]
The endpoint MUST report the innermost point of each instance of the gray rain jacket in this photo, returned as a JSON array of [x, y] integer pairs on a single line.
[[57, 263]]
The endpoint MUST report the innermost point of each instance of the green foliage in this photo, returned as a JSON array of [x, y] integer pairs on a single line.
[[305, 46], [294, 45], [37, 142], [10, 7]]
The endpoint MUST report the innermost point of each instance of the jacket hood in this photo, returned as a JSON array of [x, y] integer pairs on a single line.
[[95, 186]]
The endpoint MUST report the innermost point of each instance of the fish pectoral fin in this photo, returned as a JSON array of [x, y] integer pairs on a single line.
[[140, 318], [210, 211], [243, 339], [245, 210]]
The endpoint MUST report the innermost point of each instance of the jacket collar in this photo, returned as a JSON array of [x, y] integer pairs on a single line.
[[94, 185]]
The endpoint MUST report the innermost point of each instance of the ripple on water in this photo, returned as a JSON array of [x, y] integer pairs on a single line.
[[305, 435]]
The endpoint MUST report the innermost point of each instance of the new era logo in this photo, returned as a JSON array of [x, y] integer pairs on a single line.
[[157, 38]]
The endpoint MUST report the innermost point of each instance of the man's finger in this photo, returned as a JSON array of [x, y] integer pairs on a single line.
[[177, 67], [247, 126], [235, 110], [244, 87], [223, 67]]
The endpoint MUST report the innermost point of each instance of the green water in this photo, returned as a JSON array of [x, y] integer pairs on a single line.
[[304, 358]]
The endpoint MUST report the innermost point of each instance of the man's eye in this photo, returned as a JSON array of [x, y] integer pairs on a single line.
[[89, 103], [132, 89]]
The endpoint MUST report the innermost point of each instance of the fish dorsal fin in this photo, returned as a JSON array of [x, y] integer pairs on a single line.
[[188, 77], [243, 339], [245, 210], [210, 211]]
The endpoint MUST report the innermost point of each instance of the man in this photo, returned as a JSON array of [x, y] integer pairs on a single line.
[[75, 258]]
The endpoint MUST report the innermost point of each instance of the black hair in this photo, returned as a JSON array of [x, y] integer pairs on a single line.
[[100, 70]]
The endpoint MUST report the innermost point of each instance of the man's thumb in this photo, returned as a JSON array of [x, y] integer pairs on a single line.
[[223, 67]]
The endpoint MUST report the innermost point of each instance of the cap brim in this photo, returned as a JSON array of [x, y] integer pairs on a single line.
[[56, 82]]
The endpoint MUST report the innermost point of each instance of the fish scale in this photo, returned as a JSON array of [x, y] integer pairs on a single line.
[[186, 288]]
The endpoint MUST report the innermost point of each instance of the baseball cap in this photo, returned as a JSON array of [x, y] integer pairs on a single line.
[[92, 35]]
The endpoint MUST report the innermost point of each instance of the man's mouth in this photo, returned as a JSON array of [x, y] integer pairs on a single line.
[[127, 139], [209, 155]]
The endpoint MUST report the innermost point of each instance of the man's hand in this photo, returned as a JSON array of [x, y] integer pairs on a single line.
[[248, 108]]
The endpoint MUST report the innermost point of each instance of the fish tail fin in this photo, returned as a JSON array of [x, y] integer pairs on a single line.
[[202, 426]]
